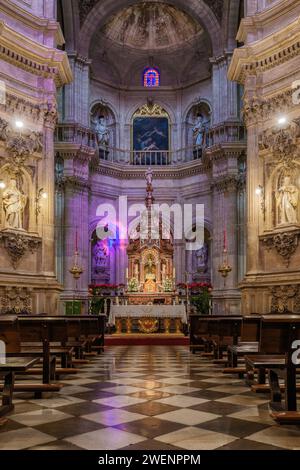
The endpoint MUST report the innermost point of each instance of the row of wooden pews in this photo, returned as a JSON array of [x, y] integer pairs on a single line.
[[259, 348], [46, 346]]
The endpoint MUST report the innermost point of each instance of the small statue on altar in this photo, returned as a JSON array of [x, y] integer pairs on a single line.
[[150, 271]]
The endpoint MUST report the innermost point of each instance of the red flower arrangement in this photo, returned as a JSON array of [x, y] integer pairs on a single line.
[[200, 285], [103, 286]]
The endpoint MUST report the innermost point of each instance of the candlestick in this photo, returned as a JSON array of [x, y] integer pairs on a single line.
[[76, 240], [225, 239]]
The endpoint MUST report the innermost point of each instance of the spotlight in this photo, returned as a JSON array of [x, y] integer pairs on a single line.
[[282, 120], [2, 185], [19, 124]]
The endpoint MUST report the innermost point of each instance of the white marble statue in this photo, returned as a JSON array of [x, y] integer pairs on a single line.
[[198, 131], [101, 131], [149, 176], [287, 198], [14, 203]]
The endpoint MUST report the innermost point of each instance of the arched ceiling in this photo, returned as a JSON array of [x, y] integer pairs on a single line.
[[150, 33], [152, 26]]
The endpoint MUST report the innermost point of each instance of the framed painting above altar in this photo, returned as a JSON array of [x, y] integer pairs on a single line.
[[151, 133]]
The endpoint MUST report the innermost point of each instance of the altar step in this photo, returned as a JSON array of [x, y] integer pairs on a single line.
[[139, 339]]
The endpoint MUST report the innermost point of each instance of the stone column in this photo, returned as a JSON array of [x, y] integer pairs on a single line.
[[76, 95]]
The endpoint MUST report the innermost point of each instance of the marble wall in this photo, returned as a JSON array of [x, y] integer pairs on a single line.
[[271, 113], [31, 71]]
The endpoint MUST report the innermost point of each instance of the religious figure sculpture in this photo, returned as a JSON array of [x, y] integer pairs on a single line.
[[202, 257], [287, 198], [198, 131], [101, 131], [150, 270], [149, 177], [14, 203], [100, 253]]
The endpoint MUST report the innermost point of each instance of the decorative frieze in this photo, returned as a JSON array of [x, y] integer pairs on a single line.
[[258, 108], [282, 143], [281, 296], [284, 243], [18, 244], [226, 184], [20, 146], [15, 300]]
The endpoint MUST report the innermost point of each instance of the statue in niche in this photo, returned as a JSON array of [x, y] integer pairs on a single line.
[[202, 257], [102, 131], [100, 254], [287, 199], [150, 270], [198, 131], [14, 203]]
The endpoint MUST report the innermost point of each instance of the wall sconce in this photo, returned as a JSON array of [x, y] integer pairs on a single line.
[[2, 185], [40, 196], [260, 192]]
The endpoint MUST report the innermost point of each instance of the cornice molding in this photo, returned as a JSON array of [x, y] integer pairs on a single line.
[[32, 21], [127, 172], [266, 53], [33, 57], [70, 151], [252, 24]]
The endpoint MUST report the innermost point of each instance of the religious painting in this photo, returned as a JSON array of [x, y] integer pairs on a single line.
[[150, 134]]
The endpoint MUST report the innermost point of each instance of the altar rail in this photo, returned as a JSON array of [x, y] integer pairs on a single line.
[[79, 135]]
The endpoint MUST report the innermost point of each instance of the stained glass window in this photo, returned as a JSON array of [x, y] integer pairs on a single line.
[[151, 77]]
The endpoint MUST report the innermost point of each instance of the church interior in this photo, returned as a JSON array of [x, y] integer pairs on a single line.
[[149, 225]]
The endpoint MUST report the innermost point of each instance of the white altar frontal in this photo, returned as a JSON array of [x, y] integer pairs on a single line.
[[148, 317]]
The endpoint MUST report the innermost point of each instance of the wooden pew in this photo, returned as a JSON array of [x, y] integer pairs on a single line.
[[35, 329], [224, 331], [210, 332], [277, 335], [248, 344], [13, 365]]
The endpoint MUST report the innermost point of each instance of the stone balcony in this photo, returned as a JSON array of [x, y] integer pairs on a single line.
[[227, 133]]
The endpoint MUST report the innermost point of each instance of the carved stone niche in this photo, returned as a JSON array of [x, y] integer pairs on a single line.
[[18, 244], [281, 295], [285, 243], [15, 300]]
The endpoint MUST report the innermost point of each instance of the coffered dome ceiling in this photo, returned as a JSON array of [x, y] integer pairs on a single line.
[[152, 26]]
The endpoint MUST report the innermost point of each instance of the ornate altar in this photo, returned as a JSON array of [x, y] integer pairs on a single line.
[[150, 254]]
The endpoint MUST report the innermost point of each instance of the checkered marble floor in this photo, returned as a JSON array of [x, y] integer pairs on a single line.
[[147, 397]]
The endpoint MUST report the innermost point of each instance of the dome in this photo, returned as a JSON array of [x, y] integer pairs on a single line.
[[152, 26]]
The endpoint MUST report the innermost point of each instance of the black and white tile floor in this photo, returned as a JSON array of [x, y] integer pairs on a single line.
[[143, 397]]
